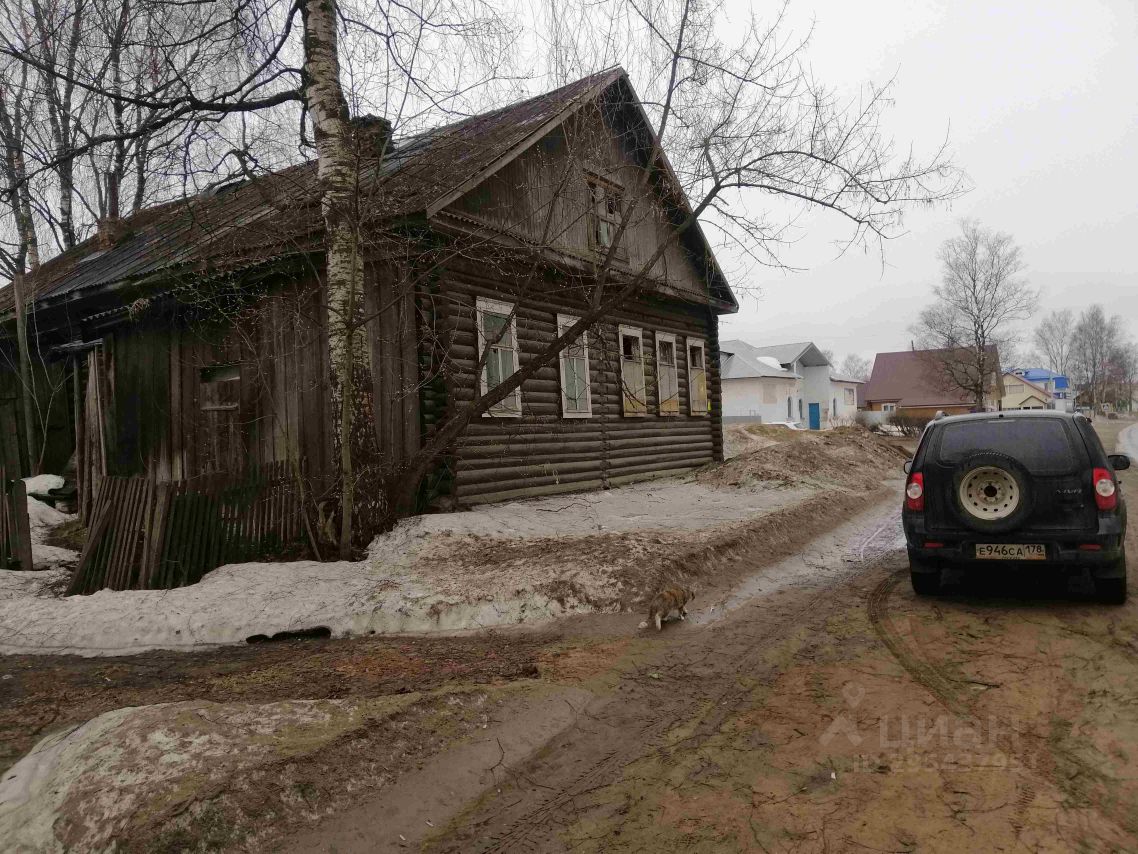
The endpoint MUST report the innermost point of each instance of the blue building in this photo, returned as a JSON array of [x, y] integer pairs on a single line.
[[1057, 385]]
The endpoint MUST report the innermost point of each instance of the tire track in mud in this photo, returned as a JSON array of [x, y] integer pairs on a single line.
[[1072, 775], [525, 832]]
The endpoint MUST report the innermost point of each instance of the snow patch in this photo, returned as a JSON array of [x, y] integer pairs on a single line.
[[80, 789], [43, 483]]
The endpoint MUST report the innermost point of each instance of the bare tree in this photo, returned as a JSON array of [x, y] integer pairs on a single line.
[[1094, 343], [981, 296], [1053, 338], [740, 139], [855, 367]]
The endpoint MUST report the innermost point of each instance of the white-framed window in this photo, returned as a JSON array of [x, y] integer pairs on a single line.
[[667, 374], [576, 398], [1013, 388], [697, 377], [498, 331], [851, 396], [633, 391], [889, 407]]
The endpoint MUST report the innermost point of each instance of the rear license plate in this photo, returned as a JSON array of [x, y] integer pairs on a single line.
[[1010, 551]]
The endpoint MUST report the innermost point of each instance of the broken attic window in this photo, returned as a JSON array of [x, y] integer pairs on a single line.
[[605, 213]]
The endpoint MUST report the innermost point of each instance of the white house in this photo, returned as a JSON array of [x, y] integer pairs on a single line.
[[787, 382]]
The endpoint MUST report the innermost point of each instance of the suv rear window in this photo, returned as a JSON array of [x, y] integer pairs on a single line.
[[1042, 445]]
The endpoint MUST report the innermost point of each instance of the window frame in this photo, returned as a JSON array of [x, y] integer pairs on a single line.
[[637, 333], [564, 321], [889, 407], [595, 181], [219, 376], [849, 396], [483, 306], [692, 400], [674, 409]]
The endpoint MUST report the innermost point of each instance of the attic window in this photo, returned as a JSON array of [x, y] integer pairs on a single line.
[[605, 212]]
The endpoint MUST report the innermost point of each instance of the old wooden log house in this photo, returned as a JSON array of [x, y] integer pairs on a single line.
[[188, 345]]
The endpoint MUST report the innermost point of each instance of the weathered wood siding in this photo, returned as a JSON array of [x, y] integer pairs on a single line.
[[542, 451], [543, 196], [196, 400]]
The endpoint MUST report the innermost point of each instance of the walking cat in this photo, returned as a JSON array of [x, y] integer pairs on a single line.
[[672, 598]]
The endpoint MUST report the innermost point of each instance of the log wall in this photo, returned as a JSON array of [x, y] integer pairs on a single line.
[[542, 452]]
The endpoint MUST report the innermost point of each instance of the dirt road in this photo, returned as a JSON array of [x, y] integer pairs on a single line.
[[810, 703], [827, 709]]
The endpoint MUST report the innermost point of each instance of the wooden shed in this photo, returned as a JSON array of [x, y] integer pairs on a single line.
[[191, 341]]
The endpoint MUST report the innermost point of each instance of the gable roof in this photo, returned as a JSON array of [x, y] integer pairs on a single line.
[[910, 378], [246, 223], [803, 352], [739, 360], [1020, 378], [787, 354]]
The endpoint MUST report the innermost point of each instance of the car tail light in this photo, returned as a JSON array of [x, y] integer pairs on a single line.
[[915, 492], [1106, 493], [933, 544], [1090, 547]]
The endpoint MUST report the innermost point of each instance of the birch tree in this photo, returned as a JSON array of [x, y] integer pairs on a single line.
[[981, 297], [1053, 337]]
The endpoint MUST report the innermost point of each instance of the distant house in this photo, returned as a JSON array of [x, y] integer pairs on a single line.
[[915, 383], [1056, 385], [785, 382], [1021, 393]]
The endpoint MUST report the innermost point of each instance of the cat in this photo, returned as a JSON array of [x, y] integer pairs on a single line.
[[671, 598]]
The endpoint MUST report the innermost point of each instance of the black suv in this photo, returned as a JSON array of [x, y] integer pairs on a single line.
[[1015, 489]]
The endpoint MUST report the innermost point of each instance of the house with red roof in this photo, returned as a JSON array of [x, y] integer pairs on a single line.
[[918, 383]]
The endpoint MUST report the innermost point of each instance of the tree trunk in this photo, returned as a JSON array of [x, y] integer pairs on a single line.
[[336, 169], [27, 399]]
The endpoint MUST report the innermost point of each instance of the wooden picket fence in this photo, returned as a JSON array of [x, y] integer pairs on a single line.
[[15, 531], [148, 535]]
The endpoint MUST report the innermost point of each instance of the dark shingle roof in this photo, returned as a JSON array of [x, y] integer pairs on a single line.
[[264, 217]]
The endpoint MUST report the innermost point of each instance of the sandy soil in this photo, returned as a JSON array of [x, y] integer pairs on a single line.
[[845, 714]]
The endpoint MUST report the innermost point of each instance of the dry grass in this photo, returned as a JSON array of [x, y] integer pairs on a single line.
[[67, 535]]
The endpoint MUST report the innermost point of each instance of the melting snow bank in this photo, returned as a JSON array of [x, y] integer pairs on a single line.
[[136, 772], [41, 519], [235, 603], [522, 562]]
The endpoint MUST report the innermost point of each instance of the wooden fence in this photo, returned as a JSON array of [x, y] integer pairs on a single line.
[[15, 533], [148, 535]]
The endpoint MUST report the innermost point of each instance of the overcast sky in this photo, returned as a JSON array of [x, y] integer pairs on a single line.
[[1040, 101]]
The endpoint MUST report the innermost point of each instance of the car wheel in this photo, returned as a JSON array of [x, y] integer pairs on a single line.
[[925, 580], [1112, 591], [992, 492]]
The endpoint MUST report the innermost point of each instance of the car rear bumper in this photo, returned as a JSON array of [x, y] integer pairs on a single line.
[[1103, 564]]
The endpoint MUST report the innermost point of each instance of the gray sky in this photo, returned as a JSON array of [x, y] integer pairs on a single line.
[[1040, 100]]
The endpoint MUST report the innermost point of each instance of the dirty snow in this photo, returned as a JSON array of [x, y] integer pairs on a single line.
[[41, 519], [80, 788], [525, 561], [492, 566]]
